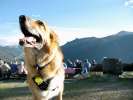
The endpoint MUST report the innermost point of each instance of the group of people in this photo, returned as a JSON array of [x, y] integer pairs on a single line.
[[9, 69], [82, 66]]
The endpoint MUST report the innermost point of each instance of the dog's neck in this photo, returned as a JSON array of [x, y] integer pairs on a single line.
[[44, 58]]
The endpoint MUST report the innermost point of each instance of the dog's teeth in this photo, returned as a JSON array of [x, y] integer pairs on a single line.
[[30, 39]]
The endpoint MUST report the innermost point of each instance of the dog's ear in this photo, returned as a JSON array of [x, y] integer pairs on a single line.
[[53, 37], [53, 42], [44, 24], [46, 27]]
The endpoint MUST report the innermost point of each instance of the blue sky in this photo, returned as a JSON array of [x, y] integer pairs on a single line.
[[69, 18]]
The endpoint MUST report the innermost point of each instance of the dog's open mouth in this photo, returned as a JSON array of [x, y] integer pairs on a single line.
[[31, 38]]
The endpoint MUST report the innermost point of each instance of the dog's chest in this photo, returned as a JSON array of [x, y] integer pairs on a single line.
[[54, 87]]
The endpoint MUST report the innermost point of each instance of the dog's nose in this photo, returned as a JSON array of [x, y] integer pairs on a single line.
[[22, 18], [21, 42]]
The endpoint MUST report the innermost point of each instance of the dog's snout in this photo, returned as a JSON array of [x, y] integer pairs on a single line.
[[22, 18]]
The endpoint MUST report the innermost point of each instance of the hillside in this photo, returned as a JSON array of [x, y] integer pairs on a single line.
[[10, 52], [116, 46]]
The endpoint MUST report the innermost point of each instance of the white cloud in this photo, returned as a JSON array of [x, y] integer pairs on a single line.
[[36, 16], [69, 34], [129, 3], [8, 41], [10, 33]]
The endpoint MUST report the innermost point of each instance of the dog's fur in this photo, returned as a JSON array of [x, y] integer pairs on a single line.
[[41, 47]]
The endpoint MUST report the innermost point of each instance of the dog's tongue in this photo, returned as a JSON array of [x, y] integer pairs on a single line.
[[28, 41]]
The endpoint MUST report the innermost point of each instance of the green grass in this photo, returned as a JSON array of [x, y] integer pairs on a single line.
[[100, 88], [93, 88], [13, 88]]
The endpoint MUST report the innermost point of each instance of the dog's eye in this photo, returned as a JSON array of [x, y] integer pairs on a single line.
[[40, 22]]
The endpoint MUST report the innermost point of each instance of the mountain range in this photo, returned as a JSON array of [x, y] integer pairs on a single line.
[[113, 46], [10, 52]]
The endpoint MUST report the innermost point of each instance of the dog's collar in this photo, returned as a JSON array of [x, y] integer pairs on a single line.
[[43, 85]]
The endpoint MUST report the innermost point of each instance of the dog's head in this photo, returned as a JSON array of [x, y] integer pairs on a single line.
[[36, 33]]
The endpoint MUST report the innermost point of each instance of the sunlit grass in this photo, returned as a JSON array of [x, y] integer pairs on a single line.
[[127, 75], [93, 88], [12, 84]]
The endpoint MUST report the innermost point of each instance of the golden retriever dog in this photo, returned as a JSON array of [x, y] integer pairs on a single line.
[[43, 59]]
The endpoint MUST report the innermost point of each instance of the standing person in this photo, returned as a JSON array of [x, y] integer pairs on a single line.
[[69, 63], [78, 64], [1, 63], [14, 68], [65, 65], [86, 68], [94, 63], [22, 72]]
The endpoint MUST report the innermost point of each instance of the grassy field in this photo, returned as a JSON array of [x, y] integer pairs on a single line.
[[93, 88]]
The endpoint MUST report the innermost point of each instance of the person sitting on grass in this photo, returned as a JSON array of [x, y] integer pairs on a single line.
[[5, 70]]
